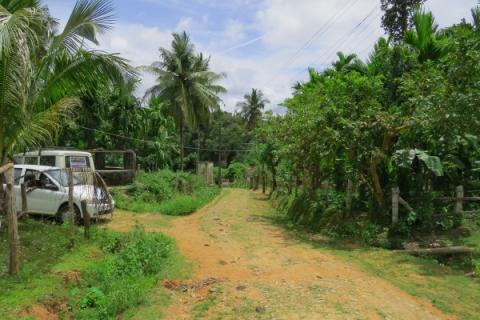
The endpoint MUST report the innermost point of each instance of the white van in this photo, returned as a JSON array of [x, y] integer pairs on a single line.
[[47, 193], [56, 157]]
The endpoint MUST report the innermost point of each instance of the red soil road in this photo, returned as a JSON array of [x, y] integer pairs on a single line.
[[262, 273]]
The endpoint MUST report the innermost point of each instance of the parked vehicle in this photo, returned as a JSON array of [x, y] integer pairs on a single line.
[[57, 157], [47, 193]]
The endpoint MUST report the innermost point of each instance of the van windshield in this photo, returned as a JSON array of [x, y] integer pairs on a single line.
[[61, 177]]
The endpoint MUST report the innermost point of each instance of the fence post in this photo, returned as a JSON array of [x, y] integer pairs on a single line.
[[71, 208], [13, 238], [395, 200], [459, 201], [23, 190], [86, 219]]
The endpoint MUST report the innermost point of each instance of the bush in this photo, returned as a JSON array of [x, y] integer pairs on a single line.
[[166, 192], [236, 173], [120, 280], [324, 211]]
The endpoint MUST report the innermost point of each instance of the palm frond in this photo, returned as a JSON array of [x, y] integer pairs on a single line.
[[43, 126], [88, 19]]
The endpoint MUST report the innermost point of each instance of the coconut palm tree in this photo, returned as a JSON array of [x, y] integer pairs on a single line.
[[476, 18], [423, 36], [44, 72], [347, 63], [185, 81], [251, 108]]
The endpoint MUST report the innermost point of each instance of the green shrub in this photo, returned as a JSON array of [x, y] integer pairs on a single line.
[[185, 204], [121, 279], [166, 192], [236, 173]]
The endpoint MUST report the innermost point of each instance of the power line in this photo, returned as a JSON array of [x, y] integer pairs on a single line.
[[322, 30], [345, 37], [152, 142]]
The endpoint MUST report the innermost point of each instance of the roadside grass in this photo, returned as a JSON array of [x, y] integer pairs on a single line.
[[165, 192], [111, 274], [446, 287], [200, 311], [45, 258]]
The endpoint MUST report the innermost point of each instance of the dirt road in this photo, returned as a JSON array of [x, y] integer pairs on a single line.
[[246, 267]]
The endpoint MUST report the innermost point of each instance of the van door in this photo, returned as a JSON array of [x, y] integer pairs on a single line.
[[40, 199]]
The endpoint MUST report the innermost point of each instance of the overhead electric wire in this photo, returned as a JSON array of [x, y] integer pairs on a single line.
[[322, 30], [151, 142], [347, 36], [343, 39]]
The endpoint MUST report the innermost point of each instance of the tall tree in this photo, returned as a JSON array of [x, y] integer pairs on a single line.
[[185, 81], [43, 72], [423, 36], [252, 106], [397, 16]]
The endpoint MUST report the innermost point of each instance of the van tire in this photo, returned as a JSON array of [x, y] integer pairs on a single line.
[[62, 214]]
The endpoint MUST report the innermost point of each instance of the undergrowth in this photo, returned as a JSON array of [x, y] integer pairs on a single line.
[[121, 279], [99, 278], [165, 192]]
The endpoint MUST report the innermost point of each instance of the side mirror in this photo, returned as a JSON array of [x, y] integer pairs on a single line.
[[51, 186]]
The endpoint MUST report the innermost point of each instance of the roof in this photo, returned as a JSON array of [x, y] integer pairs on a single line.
[[54, 152], [35, 167]]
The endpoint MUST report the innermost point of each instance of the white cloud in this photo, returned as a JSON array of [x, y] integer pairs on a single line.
[[184, 24], [284, 25]]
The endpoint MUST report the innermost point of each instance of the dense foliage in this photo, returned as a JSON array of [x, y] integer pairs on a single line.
[[397, 16], [165, 192], [408, 117], [44, 71]]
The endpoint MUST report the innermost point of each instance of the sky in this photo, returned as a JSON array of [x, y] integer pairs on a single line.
[[264, 44]]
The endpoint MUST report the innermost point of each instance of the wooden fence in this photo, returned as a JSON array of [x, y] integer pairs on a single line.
[[459, 200]]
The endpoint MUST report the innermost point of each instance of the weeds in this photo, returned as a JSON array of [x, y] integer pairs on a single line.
[[121, 280]]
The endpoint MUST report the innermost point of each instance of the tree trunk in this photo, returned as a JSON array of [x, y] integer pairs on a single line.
[[13, 237], [181, 145], [264, 180], [274, 179], [377, 186]]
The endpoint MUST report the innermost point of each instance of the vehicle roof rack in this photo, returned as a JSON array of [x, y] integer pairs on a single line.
[[51, 148]]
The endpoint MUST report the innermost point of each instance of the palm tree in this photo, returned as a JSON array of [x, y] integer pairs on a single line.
[[348, 63], [476, 18], [184, 80], [423, 37], [43, 73], [251, 108]]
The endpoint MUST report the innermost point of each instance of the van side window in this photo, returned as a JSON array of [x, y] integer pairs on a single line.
[[31, 160], [17, 174], [77, 162], [47, 161]]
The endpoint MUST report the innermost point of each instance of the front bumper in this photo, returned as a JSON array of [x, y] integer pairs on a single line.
[[99, 209]]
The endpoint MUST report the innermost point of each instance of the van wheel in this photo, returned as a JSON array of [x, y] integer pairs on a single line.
[[63, 214]]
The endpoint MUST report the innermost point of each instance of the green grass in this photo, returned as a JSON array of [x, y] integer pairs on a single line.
[[117, 271], [200, 310], [158, 193], [45, 258]]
